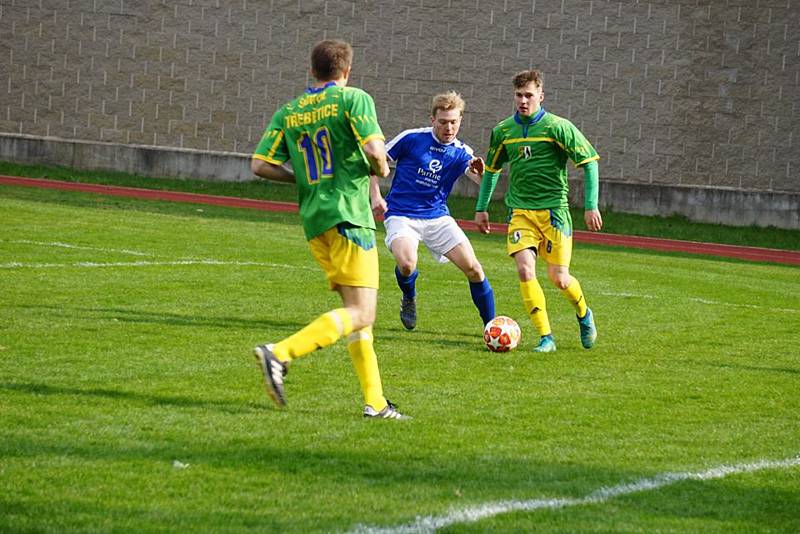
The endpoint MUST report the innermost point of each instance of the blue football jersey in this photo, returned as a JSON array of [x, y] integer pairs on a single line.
[[424, 174]]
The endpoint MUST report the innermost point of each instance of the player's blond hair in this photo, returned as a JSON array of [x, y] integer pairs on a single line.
[[521, 79], [330, 58], [446, 102]]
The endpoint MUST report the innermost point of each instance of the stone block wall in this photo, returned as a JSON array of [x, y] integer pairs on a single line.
[[702, 94]]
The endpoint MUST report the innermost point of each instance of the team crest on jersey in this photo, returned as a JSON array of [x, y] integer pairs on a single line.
[[525, 151]]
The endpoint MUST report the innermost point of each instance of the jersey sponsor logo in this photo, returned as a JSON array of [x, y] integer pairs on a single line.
[[435, 165], [430, 178], [438, 149]]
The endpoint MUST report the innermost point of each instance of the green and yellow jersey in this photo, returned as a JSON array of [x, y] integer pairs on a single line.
[[537, 149], [321, 133]]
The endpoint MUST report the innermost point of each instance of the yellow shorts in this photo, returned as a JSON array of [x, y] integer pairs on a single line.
[[348, 256], [549, 232]]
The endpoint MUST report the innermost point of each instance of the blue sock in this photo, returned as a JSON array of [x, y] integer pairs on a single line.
[[407, 283], [483, 297]]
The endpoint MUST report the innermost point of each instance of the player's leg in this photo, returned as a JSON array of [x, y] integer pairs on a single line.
[[365, 362], [402, 239], [533, 299], [463, 257], [362, 301], [558, 254], [330, 326], [523, 242], [571, 289], [357, 283], [330, 250], [404, 250], [321, 332]]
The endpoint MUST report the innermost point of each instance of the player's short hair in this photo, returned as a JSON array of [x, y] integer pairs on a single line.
[[521, 79], [330, 58], [446, 102]]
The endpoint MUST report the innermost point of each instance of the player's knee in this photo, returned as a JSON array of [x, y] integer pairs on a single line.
[[406, 267], [474, 272], [560, 281], [362, 317], [526, 273]]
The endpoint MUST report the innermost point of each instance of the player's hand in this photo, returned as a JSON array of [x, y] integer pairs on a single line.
[[378, 204], [482, 220], [477, 166], [593, 220]]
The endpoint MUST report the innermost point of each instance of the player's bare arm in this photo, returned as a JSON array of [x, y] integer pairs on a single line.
[[270, 171], [376, 199], [475, 170], [375, 151]]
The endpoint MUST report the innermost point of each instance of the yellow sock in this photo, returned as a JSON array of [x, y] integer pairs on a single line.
[[574, 294], [533, 299], [321, 332], [365, 362]]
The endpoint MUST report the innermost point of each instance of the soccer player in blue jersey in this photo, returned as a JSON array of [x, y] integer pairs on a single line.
[[428, 163]]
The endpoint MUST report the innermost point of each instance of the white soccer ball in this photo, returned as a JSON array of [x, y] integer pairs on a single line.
[[501, 334]]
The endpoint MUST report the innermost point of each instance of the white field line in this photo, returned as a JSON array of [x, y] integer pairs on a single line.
[[91, 264], [703, 301], [752, 306], [599, 496], [78, 247], [18, 265]]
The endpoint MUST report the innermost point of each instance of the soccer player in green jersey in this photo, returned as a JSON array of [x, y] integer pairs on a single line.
[[537, 146], [331, 138]]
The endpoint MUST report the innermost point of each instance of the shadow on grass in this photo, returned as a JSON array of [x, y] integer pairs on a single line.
[[430, 337], [727, 365], [127, 315], [121, 395], [457, 338]]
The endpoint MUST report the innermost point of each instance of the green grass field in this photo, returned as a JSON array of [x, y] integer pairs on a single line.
[[130, 401]]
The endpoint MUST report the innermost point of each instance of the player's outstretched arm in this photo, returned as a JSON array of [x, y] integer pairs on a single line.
[[376, 155], [270, 171], [475, 170], [488, 182]]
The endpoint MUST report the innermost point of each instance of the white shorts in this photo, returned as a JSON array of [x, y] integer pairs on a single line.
[[440, 235]]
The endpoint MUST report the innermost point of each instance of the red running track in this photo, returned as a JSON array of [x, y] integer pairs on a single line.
[[789, 257]]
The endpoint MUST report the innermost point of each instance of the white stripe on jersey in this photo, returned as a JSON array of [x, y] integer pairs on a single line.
[[456, 142]]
